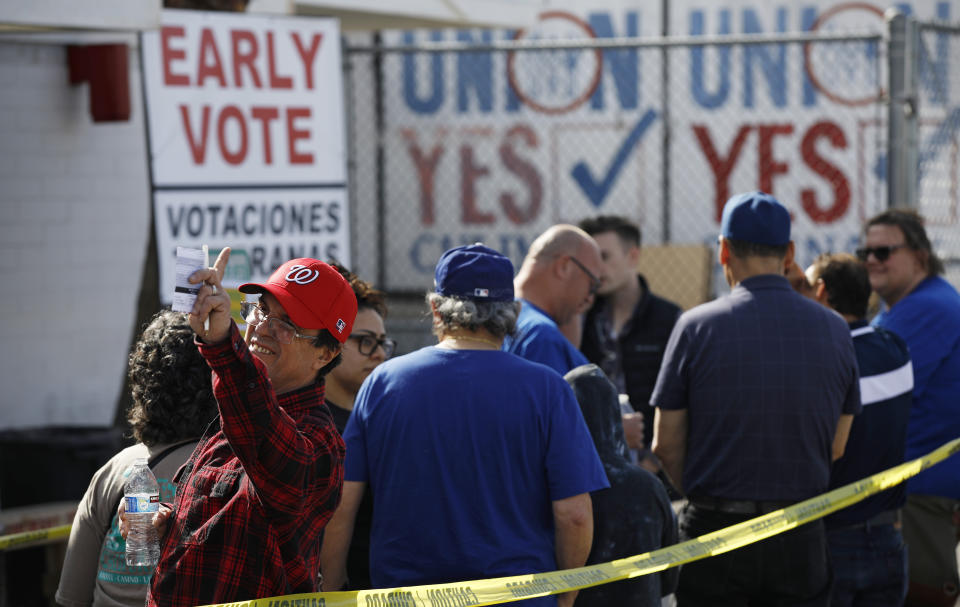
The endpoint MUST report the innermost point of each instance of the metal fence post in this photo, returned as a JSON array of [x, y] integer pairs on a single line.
[[667, 141], [902, 138], [378, 59]]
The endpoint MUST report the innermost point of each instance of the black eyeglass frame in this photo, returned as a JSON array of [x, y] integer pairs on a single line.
[[251, 309], [372, 343], [594, 281], [881, 253]]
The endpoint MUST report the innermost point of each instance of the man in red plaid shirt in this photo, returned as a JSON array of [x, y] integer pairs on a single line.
[[264, 480]]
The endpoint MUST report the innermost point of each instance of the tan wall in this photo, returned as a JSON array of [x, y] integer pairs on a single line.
[[680, 273]]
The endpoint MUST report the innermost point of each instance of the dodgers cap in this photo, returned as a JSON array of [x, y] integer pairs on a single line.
[[755, 217], [475, 272], [313, 294]]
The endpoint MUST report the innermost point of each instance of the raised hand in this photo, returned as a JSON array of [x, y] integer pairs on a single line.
[[210, 317]]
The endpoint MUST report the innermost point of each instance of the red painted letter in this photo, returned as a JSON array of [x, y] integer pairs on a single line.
[[244, 58], [295, 134], [308, 55], [469, 173], [721, 167], [265, 115], [276, 82], [238, 156], [833, 175], [170, 55], [214, 69], [767, 167], [197, 150], [526, 171], [426, 167]]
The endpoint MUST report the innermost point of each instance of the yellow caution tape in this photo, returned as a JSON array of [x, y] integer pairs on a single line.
[[506, 589], [29, 538], [513, 588]]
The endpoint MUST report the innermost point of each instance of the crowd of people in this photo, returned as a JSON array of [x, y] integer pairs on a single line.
[[300, 456]]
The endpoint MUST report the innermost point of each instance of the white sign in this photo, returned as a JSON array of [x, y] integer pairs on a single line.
[[247, 140], [240, 99], [498, 146], [263, 228]]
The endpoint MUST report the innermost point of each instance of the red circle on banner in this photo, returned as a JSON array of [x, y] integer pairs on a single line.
[[808, 64], [578, 100]]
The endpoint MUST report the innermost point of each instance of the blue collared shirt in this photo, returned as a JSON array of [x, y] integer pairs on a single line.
[[538, 339], [764, 374]]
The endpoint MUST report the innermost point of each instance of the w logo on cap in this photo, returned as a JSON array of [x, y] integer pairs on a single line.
[[302, 275], [340, 325]]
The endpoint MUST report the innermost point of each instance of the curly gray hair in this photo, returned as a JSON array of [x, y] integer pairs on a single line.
[[497, 317]]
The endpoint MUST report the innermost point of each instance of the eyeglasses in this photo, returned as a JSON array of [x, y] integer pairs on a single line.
[[281, 330], [880, 253], [594, 281], [368, 344]]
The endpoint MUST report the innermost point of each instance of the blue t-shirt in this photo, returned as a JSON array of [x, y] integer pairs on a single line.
[[928, 319], [878, 435], [764, 374], [465, 451], [538, 339]]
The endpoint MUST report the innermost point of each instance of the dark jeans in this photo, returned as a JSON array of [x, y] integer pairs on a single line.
[[792, 568], [869, 566]]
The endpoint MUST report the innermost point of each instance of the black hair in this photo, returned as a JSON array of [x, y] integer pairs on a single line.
[[368, 298], [745, 248], [846, 281], [910, 223], [628, 231], [170, 383], [325, 339]]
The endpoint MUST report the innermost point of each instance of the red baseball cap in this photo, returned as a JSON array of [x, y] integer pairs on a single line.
[[313, 294]]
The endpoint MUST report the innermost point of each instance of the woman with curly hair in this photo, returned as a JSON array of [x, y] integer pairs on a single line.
[[172, 404]]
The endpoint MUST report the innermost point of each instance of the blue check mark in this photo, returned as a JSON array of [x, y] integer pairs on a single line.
[[597, 192]]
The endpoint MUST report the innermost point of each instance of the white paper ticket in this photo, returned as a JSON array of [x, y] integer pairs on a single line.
[[188, 262]]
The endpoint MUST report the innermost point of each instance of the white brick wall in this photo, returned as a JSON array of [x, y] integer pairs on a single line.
[[74, 204]]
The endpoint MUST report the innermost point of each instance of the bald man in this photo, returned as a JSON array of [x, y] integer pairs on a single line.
[[559, 276]]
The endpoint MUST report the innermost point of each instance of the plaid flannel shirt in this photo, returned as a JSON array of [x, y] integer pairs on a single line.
[[253, 499]]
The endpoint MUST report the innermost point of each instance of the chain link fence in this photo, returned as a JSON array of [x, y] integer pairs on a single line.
[[937, 94], [465, 136]]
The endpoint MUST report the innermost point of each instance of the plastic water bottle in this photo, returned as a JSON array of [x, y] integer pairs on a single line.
[[626, 407], [142, 495]]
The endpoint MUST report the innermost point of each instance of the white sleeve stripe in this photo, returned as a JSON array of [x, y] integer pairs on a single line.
[[861, 331], [877, 388]]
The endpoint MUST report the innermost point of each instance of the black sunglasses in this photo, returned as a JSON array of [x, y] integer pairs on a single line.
[[880, 253]]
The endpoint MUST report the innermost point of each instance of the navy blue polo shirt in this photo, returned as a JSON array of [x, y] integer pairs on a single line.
[[764, 374], [878, 436]]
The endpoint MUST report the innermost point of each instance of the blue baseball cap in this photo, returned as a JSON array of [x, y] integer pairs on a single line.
[[474, 272], [755, 217]]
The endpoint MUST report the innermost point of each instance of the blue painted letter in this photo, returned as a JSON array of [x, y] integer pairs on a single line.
[[700, 94], [432, 103], [620, 63], [774, 69]]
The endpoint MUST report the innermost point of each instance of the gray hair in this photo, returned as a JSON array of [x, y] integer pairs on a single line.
[[497, 317]]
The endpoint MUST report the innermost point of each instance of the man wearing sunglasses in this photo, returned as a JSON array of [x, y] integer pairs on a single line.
[[924, 309], [558, 279], [264, 480]]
